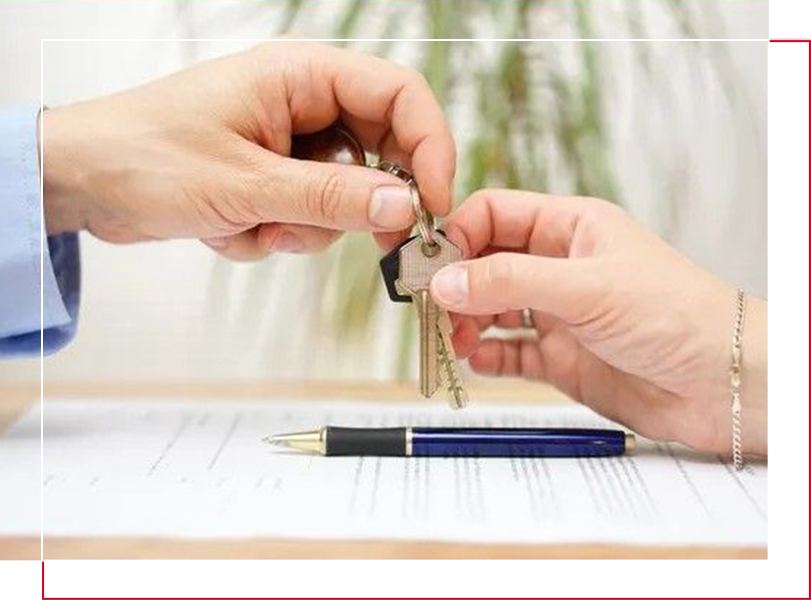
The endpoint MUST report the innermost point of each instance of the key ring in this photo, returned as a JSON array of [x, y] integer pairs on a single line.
[[396, 170], [425, 220]]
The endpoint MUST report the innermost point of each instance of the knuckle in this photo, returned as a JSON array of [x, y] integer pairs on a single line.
[[612, 210], [409, 76], [603, 208], [483, 196], [598, 213], [223, 213], [418, 79], [324, 196], [478, 196]]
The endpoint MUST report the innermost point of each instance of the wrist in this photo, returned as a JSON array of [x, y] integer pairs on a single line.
[[709, 386], [754, 377], [64, 196]]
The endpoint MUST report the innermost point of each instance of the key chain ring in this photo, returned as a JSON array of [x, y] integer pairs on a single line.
[[425, 220], [396, 170]]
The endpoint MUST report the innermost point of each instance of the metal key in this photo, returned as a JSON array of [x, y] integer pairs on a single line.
[[417, 261], [449, 370], [428, 313], [437, 358], [415, 272]]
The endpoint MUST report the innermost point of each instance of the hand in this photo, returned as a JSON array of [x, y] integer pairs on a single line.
[[204, 153], [623, 323]]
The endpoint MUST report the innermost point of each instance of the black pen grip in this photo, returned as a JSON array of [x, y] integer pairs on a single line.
[[358, 441]]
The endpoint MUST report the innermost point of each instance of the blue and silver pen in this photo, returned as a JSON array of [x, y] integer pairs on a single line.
[[458, 441]]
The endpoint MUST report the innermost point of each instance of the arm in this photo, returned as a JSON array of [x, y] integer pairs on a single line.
[[204, 154], [39, 285]]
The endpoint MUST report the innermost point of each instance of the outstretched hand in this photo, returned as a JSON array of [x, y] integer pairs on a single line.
[[204, 153], [622, 322]]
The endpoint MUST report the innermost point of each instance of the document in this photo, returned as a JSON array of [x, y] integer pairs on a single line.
[[200, 470]]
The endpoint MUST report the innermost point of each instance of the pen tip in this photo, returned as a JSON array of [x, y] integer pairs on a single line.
[[308, 441]]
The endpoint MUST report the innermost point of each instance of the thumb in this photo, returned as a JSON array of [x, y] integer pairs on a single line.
[[334, 196], [507, 281]]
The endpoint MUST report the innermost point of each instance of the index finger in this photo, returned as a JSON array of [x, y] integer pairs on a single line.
[[386, 96], [513, 220]]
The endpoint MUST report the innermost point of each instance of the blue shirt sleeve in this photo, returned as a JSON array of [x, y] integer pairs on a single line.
[[39, 283]]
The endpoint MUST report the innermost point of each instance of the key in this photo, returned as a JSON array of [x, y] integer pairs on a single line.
[[415, 271], [390, 267], [448, 367], [407, 271], [428, 313], [437, 359], [418, 262]]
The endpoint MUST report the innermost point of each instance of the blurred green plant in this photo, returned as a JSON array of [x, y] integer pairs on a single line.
[[527, 115]]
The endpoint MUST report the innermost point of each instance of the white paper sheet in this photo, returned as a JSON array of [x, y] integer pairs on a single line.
[[185, 469], [20, 489]]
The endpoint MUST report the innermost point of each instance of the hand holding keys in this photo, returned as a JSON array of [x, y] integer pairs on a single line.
[[408, 269]]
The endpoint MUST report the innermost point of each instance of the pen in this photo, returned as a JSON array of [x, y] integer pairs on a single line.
[[458, 441]]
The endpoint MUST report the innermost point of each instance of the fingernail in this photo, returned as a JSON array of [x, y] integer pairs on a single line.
[[287, 242], [451, 285], [217, 242], [390, 207]]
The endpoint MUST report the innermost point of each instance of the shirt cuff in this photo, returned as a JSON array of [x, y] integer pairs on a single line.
[[40, 282], [61, 286]]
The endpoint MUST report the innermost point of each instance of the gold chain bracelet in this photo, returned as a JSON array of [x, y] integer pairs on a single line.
[[735, 381]]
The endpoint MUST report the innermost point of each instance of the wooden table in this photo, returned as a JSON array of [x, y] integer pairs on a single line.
[[14, 400]]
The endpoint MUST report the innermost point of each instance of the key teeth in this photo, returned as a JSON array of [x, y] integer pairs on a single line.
[[458, 395]]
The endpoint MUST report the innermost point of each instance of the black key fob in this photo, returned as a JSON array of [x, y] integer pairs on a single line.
[[390, 267]]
